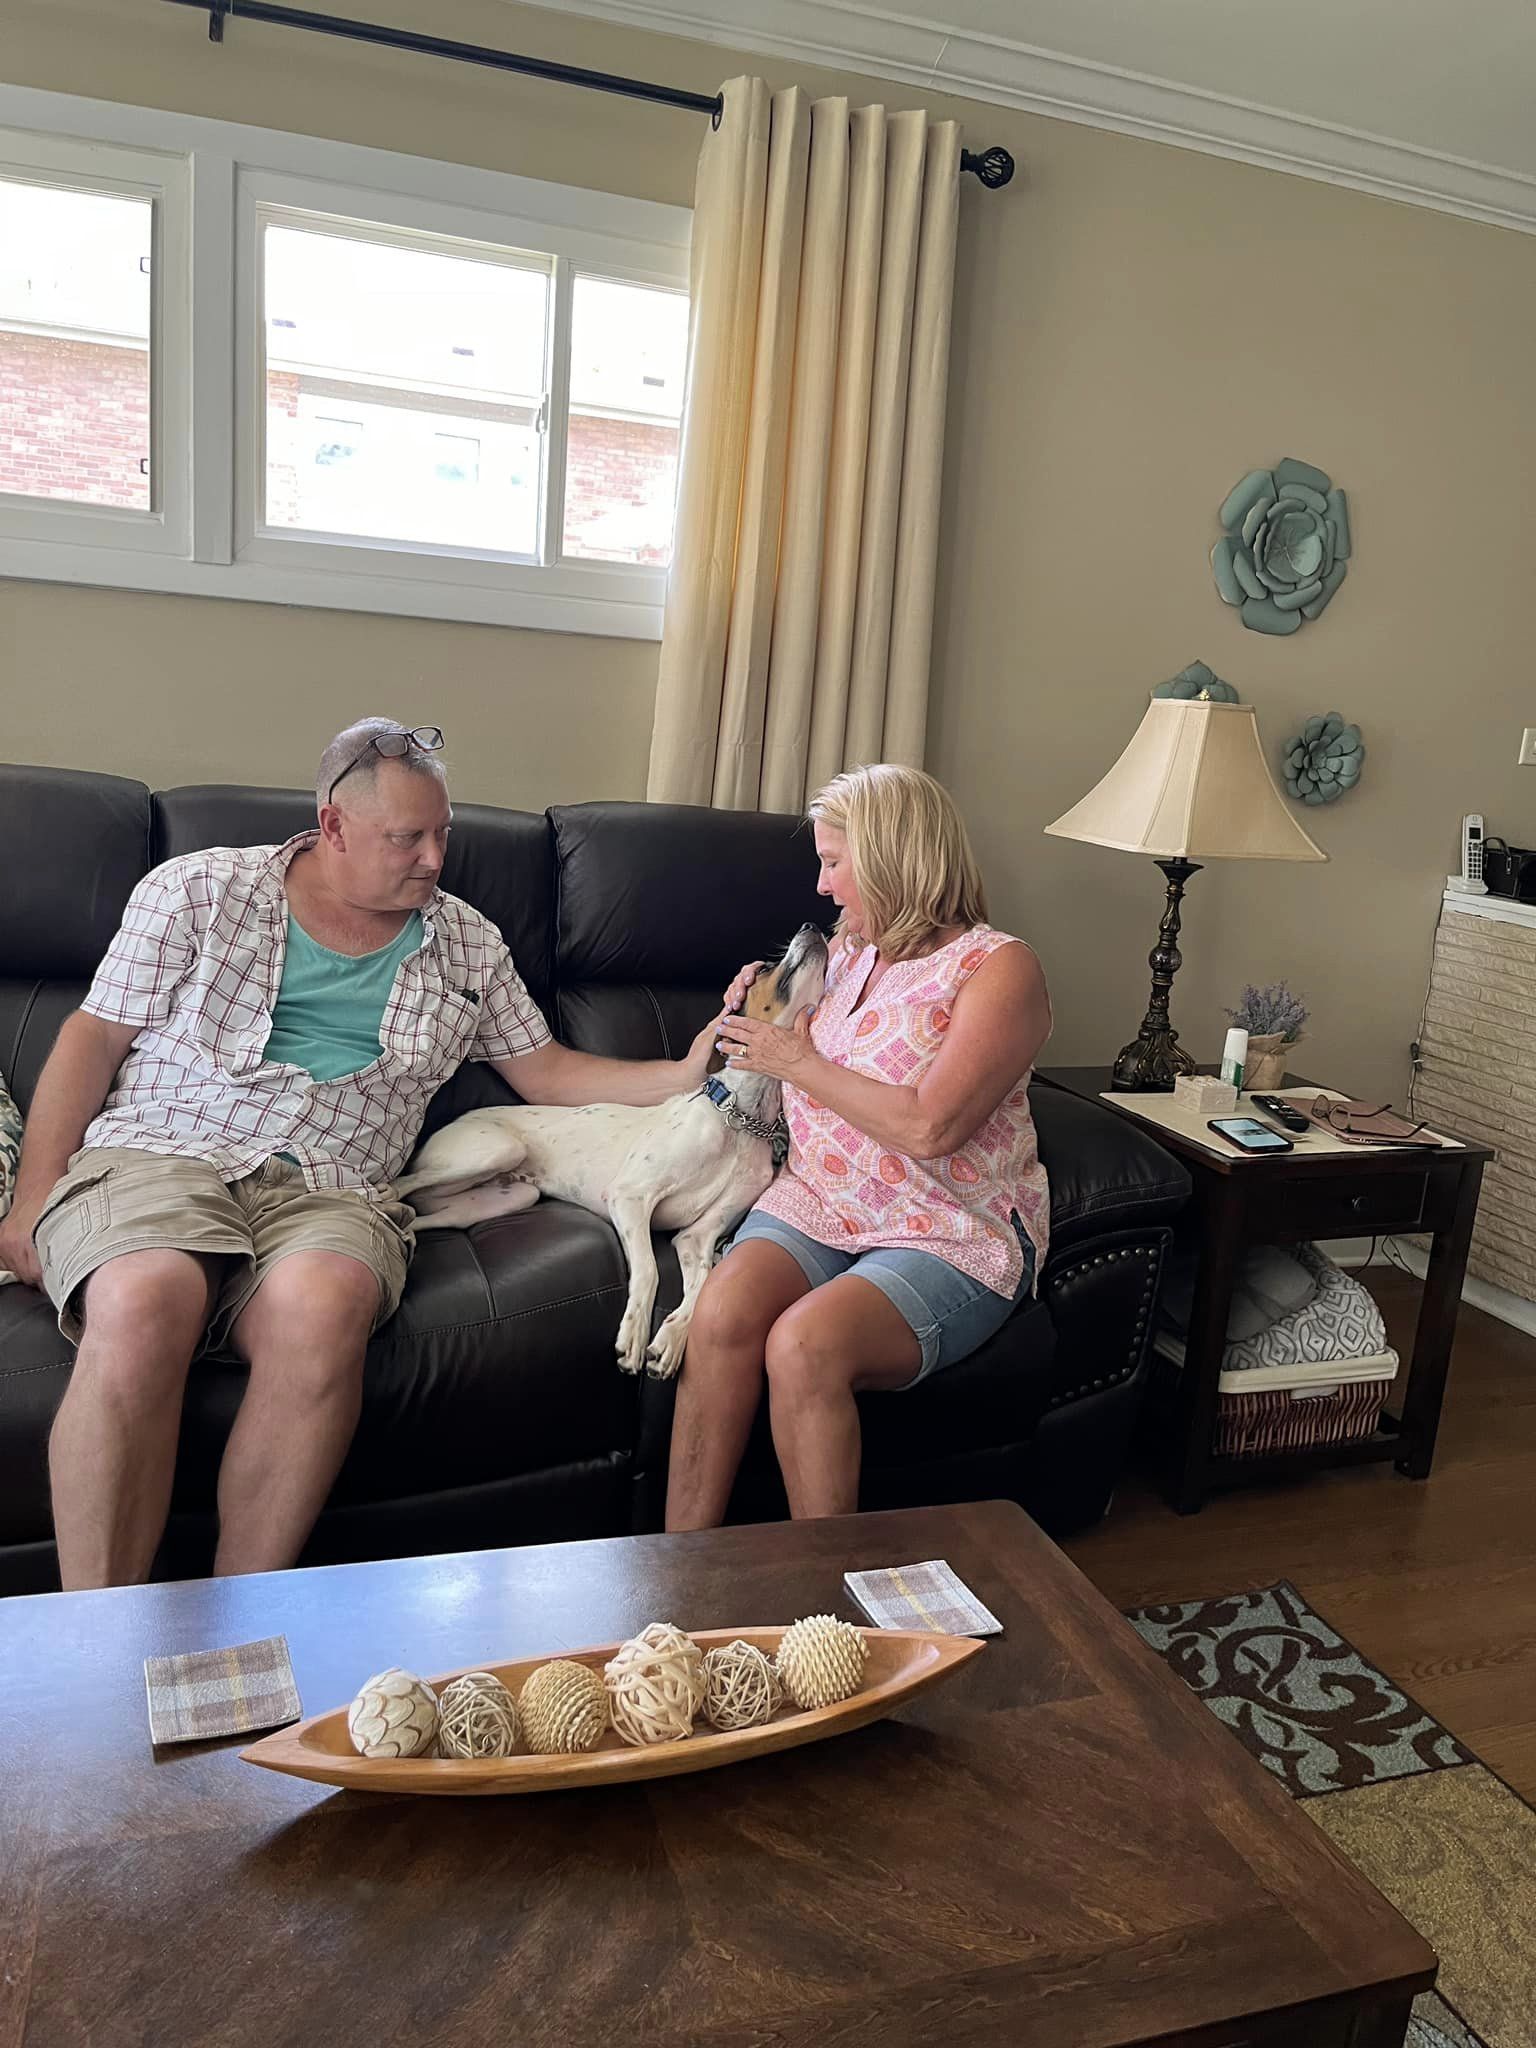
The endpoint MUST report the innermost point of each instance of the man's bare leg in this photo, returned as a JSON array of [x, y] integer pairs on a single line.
[[112, 1453], [303, 1333]]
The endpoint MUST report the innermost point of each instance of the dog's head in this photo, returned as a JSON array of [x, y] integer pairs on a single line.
[[793, 983]]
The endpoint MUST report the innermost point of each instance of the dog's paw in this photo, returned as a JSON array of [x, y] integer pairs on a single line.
[[630, 1345], [666, 1350]]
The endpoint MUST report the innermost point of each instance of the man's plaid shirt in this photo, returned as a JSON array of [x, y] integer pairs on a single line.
[[196, 967]]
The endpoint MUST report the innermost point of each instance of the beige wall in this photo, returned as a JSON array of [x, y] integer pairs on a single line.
[[1136, 327]]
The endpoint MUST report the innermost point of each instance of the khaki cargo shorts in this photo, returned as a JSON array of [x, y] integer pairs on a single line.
[[111, 1202]]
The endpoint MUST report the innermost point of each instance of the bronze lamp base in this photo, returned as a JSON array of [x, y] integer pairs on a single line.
[[1154, 1059]]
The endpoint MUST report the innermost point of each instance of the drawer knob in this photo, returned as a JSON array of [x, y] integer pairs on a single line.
[[1357, 1203]]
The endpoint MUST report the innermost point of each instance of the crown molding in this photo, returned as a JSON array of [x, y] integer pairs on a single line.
[[845, 36]]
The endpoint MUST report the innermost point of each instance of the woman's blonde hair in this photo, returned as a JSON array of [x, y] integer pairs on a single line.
[[911, 855]]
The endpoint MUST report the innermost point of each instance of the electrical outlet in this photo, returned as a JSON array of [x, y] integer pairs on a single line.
[[1528, 747]]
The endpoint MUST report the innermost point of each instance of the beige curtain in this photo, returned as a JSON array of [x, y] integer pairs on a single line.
[[800, 605]]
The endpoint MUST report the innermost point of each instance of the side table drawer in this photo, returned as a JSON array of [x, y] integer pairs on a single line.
[[1359, 1205]]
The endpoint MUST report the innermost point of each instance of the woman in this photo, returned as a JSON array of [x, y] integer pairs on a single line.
[[912, 1211]]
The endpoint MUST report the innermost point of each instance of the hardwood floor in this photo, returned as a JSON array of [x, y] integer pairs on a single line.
[[1433, 1581]]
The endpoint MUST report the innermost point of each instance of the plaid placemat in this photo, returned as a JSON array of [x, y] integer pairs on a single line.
[[924, 1596], [221, 1692]]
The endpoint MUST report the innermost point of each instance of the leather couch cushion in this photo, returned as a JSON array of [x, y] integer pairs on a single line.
[[499, 861], [79, 842], [35, 1364], [659, 904], [498, 1363], [671, 893], [30, 1015], [1105, 1174]]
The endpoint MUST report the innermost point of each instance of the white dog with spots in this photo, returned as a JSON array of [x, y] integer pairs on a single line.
[[694, 1164]]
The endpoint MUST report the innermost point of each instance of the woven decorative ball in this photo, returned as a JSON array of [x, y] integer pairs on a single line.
[[477, 1717], [562, 1708], [821, 1659], [395, 1714], [655, 1685], [741, 1687]]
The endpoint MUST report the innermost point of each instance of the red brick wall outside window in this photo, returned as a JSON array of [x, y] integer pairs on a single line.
[[74, 424]]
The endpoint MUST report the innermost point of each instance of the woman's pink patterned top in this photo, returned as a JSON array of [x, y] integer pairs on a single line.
[[843, 1189]]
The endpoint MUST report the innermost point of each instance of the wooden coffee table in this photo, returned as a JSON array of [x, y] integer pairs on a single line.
[[1059, 1846]]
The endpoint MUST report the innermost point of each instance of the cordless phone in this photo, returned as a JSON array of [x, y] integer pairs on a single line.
[[1470, 881]]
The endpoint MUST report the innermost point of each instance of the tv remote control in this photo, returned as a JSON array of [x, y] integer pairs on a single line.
[[1283, 1112]]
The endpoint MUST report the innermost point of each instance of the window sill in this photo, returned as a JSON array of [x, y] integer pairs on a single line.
[[509, 597]]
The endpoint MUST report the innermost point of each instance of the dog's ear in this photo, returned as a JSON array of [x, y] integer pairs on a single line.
[[762, 997]]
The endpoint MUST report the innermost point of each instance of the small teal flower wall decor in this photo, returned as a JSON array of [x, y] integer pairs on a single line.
[[1323, 760], [1198, 681], [1284, 547]]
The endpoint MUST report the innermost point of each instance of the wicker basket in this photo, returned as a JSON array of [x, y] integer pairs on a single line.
[[1292, 1408]]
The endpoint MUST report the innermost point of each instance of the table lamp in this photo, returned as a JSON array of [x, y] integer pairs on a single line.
[[1192, 786]]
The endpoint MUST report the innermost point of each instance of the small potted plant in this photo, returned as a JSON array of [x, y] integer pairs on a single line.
[[1273, 1019]]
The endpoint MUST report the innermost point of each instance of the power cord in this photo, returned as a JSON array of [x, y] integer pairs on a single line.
[[1416, 1050]]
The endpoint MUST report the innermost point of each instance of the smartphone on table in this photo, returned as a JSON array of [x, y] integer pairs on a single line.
[[1249, 1135]]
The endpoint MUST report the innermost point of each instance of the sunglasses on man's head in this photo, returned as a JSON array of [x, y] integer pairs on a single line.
[[426, 739]]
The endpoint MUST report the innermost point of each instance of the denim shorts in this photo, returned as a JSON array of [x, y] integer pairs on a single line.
[[950, 1314]]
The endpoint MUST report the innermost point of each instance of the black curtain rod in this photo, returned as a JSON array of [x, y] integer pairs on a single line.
[[994, 167]]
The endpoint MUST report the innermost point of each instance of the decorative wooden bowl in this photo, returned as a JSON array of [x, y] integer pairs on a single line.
[[901, 1663]]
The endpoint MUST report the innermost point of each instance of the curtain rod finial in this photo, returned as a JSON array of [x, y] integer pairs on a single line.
[[993, 166]]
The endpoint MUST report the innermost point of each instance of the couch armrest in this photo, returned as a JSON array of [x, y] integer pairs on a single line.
[[1101, 1296], [1105, 1173]]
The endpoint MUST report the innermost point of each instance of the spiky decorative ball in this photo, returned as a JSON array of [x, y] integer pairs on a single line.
[[741, 1687], [655, 1684], [477, 1717], [563, 1708], [395, 1714], [821, 1660]]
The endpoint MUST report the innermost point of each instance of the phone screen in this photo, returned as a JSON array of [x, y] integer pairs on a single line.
[[1248, 1132]]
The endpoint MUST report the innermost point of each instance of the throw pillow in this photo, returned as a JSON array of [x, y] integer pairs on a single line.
[[10, 1156]]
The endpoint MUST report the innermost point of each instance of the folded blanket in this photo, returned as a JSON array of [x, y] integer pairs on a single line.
[[1340, 1321], [1272, 1283]]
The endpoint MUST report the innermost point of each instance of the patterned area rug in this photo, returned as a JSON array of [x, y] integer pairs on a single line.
[[1434, 1829]]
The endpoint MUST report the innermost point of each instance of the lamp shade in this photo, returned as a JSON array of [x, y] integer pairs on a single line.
[[1192, 784]]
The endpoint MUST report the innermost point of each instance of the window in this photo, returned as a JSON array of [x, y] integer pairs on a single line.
[[629, 351], [74, 344], [94, 285], [433, 353], [404, 386]]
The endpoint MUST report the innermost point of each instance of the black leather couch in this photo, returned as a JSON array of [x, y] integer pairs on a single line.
[[494, 1413]]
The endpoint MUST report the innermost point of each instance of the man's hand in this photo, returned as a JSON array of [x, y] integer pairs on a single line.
[[18, 1254], [693, 1067]]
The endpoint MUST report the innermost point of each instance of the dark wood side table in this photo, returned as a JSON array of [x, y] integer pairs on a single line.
[[1240, 1201]]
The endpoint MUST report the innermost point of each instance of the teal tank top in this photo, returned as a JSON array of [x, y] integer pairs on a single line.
[[328, 1011]]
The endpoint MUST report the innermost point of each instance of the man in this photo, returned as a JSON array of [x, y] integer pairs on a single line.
[[210, 1148]]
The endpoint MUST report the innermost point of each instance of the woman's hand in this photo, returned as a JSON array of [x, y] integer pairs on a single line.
[[753, 1046], [736, 994]]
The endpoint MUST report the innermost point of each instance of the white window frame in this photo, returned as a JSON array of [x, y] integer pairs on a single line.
[[212, 183], [63, 162]]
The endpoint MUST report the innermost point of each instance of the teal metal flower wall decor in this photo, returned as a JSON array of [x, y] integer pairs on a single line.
[[1198, 681], [1284, 546], [1323, 760]]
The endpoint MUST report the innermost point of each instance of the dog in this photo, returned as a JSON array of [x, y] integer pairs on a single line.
[[694, 1164]]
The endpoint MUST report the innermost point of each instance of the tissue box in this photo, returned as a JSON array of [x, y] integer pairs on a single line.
[[1204, 1094]]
